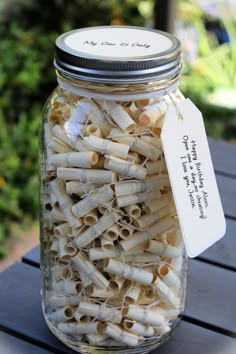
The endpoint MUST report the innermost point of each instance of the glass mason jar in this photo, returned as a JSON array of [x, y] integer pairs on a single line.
[[112, 255]]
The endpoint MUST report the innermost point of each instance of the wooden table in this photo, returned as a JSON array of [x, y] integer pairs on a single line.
[[209, 324]]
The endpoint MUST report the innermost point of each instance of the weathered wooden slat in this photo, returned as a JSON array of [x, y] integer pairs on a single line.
[[21, 312], [223, 156], [211, 295], [223, 251], [13, 345], [193, 339], [32, 257], [227, 190]]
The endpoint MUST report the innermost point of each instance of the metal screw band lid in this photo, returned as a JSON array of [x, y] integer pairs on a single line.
[[118, 54]]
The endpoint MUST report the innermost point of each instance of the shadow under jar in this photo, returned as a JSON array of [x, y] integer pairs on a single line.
[[112, 255]]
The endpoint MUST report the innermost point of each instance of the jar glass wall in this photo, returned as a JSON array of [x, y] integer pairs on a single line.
[[113, 260]]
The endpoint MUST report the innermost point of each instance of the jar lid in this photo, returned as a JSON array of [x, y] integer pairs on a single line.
[[118, 54]]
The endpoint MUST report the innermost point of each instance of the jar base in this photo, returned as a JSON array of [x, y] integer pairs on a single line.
[[90, 349]]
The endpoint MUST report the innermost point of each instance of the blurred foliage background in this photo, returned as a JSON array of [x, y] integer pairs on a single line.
[[28, 30]]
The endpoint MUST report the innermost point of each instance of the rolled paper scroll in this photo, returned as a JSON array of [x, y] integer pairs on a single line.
[[126, 168], [105, 208], [62, 314], [133, 111], [97, 339], [93, 200], [73, 232], [61, 229], [54, 249], [83, 278], [116, 284], [77, 159], [143, 147], [74, 129], [118, 135], [163, 329], [172, 237], [126, 200], [129, 187], [82, 318], [67, 273], [54, 201], [58, 145], [147, 296], [150, 117], [138, 328], [86, 175], [132, 293], [120, 116], [154, 167], [106, 147], [169, 277], [67, 287], [60, 133], [99, 253], [79, 145], [161, 249], [48, 137], [100, 312], [56, 272], [158, 127], [156, 204], [100, 293], [61, 301], [168, 313], [144, 257], [57, 215], [83, 264], [115, 332], [126, 232], [78, 115], [133, 156], [141, 236], [133, 210], [148, 219], [106, 243], [165, 293], [112, 232], [93, 129], [80, 188], [176, 263], [70, 249], [100, 164], [144, 315], [62, 244], [95, 231], [74, 328], [96, 114], [146, 149], [91, 217], [155, 141], [65, 202], [128, 271]]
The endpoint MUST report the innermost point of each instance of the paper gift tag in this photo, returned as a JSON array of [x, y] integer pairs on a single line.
[[192, 177]]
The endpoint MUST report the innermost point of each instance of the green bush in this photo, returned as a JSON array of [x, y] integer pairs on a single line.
[[27, 77]]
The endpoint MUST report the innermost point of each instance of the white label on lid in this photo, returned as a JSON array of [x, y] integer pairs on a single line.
[[118, 42], [192, 177]]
